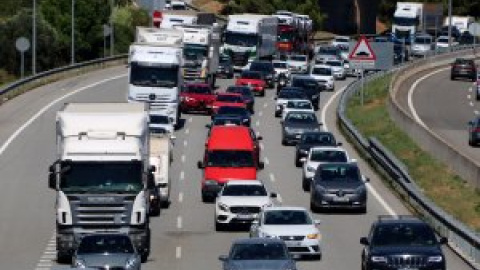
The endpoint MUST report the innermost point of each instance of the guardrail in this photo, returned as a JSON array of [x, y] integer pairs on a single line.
[[463, 240]]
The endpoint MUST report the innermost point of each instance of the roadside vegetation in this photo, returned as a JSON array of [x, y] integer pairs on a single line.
[[439, 183]]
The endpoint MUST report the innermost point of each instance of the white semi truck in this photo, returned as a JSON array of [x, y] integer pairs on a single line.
[[102, 176], [250, 36], [174, 17], [200, 52], [155, 70]]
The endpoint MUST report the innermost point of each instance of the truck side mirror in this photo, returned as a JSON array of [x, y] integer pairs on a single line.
[[152, 169], [52, 180]]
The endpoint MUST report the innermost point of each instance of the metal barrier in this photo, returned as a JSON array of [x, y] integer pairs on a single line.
[[463, 240]]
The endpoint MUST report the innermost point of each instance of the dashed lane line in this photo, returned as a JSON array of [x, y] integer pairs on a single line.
[[180, 197], [257, 123], [187, 131], [182, 175], [272, 177], [472, 104], [260, 113], [190, 119], [265, 105], [179, 222], [266, 161], [262, 146], [178, 252], [183, 158], [185, 143], [279, 198]]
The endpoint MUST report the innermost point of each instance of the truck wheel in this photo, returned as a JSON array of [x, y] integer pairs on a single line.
[[64, 257], [155, 210], [219, 227]]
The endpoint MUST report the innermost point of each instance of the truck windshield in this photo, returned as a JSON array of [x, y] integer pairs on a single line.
[[402, 21], [101, 177], [285, 36], [194, 51], [153, 76], [240, 39], [230, 158]]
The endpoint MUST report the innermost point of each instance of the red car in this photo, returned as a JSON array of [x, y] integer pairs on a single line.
[[228, 99], [197, 97], [255, 80]]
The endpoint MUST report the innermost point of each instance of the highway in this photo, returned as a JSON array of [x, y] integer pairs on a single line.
[[445, 106], [183, 237]]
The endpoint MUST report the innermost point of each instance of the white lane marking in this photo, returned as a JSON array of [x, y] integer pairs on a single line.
[[182, 175], [370, 188], [324, 109], [185, 143], [472, 104], [272, 177], [47, 107], [470, 89], [469, 96], [178, 252], [179, 222], [180, 197], [262, 146], [279, 198], [183, 158], [260, 113], [190, 119], [266, 161], [476, 112], [411, 91], [265, 105], [187, 131], [257, 123]]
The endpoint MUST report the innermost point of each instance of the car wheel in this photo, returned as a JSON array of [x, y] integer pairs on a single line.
[[305, 184], [262, 94], [144, 256], [284, 142], [205, 198], [155, 210], [477, 97], [298, 164], [277, 114], [452, 78], [64, 258], [219, 226], [313, 207]]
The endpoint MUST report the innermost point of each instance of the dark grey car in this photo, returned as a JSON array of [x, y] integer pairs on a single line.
[[338, 185], [258, 253], [107, 251], [296, 123]]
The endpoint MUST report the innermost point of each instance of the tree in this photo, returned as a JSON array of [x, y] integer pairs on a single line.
[[125, 20]]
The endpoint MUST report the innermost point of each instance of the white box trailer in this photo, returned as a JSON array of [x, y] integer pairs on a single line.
[[174, 17]]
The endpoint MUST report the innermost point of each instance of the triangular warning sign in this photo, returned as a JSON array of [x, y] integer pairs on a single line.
[[362, 51]]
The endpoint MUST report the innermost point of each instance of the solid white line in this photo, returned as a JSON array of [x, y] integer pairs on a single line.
[[178, 252], [411, 91], [183, 158], [472, 104], [187, 131], [324, 109], [182, 175], [279, 198], [257, 123], [470, 89], [266, 161], [260, 113], [469, 96], [47, 107], [179, 222], [272, 177], [190, 119], [180, 197], [265, 105], [185, 143]]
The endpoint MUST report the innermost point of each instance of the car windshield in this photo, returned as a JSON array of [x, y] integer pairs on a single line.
[[153, 76], [301, 58], [195, 52], [303, 118], [159, 119], [240, 39], [264, 67], [232, 110], [101, 244], [230, 98], [322, 71], [197, 89], [291, 94], [403, 235], [328, 156], [287, 217], [299, 104], [259, 251], [321, 139], [328, 51], [308, 84], [282, 65], [244, 190], [245, 91], [334, 63], [285, 36], [423, 40], [222, 121], [251, 75], [336, 173], [230, 158]]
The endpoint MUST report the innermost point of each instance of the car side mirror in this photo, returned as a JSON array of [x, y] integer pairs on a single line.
[[200, 165], [303, 160], [52, 180], [259, 138], [223, 258], [364, 241], [261, 165], [51, 169], [273, 195], [443, 240]]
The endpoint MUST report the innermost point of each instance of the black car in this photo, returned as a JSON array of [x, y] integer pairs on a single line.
[[338, 185], [463, 68], [225, 67], [312, 139], [402, 242], [232, 111], [247, 94], [311, 88], [267, 69], [474, 132], [296, 123]]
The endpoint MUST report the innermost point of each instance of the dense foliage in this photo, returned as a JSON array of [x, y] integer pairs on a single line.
[[309, 7]]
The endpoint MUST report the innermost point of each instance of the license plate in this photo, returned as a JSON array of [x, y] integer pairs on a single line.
[[298, 136], [341, 199], [244, 216], [293, 243]]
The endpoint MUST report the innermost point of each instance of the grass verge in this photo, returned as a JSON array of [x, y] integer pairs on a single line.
[[440, 184]]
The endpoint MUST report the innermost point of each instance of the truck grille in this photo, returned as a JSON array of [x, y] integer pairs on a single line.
[[92, 211], [407, 261], [245, 209], [152, 97]]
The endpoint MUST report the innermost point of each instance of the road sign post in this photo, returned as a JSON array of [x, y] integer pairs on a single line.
[[22, 44], [474, 29], [362, 57]]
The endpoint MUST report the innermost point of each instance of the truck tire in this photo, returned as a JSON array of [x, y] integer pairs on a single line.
[[64, 257]]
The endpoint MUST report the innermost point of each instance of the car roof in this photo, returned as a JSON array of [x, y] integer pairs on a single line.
[[317, 132], [322, 66], [257, 241], [229, 138], [328, 148], [244, 182], [280, 208], [401, 219]]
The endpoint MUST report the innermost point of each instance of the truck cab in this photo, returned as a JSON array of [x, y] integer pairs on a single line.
[[406, 21]]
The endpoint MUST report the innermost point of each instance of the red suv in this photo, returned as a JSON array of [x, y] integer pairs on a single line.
[[231, 152], [255, 80], [197, 97]]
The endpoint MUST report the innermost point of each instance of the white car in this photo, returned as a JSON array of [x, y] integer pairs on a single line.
[[319, 155], [341, 41], [353, 72], [294, 225], [442, 43], [240, 201], [324, 75], [298, 63], [283, 97], [303, 105], [337, 68], [160, 123], [280, 67]]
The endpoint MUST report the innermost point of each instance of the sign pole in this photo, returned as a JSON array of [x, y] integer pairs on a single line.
[[362, 89], [22, 63]]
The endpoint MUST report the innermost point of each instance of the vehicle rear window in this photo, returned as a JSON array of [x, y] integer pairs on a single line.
[[230, 98], [328, 156], [259, 251], [231, 110], [403, 235], [256, 66], [251, 75], [298, 58]]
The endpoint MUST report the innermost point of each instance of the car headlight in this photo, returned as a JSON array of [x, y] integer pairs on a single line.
[[131, 263], [245, 120], [79, 264], [310, 169], [379, 259], [223, 207], [313, 236], [435, 259]]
